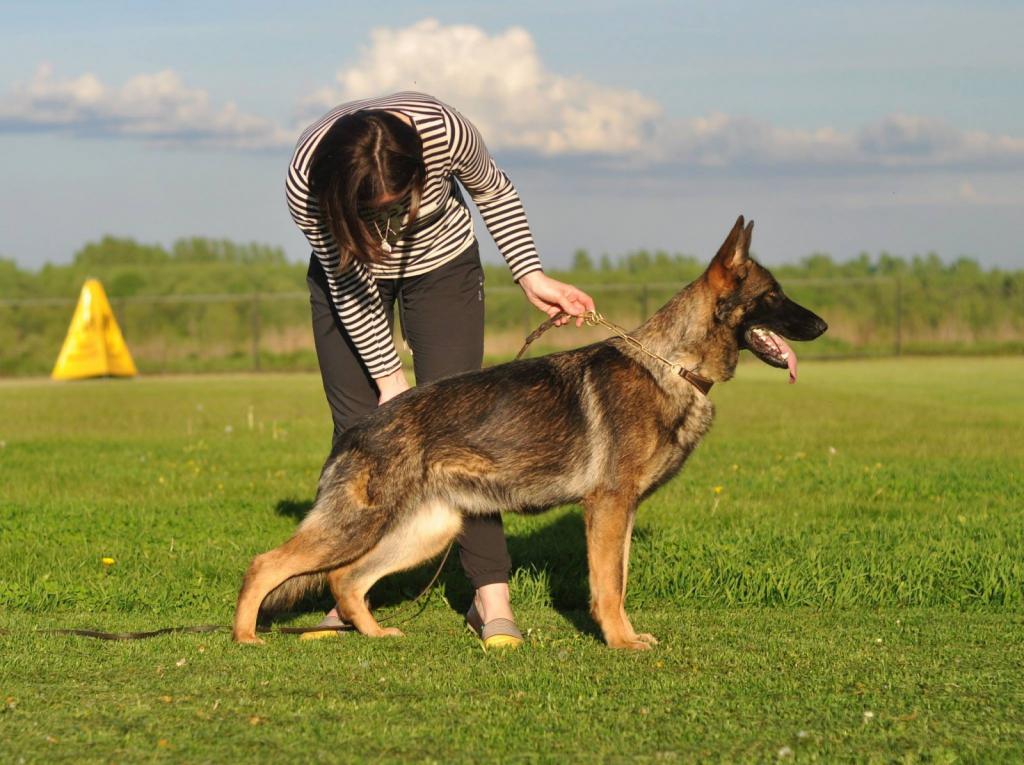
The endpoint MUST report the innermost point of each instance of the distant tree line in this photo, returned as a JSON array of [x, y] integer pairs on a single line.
[[128, 268], [874, 304], [199, 265]]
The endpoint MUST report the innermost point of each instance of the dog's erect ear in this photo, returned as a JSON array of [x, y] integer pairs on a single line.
[[728, 265]]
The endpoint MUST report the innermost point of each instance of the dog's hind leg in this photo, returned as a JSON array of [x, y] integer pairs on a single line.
[[302, 554], [350, 597], [418, 537], [609, 524]]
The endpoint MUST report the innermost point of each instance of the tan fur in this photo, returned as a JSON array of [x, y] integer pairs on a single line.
[[300, 555], [604, 425]]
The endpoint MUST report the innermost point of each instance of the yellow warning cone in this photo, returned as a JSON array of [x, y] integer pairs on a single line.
[[94, 346]]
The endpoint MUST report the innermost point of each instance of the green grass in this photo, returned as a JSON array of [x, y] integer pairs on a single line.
[[853, 590]]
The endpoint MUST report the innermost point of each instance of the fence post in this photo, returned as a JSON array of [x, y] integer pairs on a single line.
[[899, 316], [255, 326]]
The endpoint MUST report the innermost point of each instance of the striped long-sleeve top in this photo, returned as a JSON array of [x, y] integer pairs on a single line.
[[452, 148]]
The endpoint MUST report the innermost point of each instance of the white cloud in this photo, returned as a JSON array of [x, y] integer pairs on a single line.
[[500, 82], [902, 140], [156, 107], [720, 140], [894, 142]]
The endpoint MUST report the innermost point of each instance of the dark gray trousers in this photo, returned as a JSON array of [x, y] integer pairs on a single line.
[[442, 317]]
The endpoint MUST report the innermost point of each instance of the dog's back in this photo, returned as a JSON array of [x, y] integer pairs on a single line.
[[519, 437], [603, 425]]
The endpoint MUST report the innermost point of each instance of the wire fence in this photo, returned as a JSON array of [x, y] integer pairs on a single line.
[[270, 331]]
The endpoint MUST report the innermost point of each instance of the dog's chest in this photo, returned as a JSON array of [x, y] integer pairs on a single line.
[[691, 425], [679, 439]]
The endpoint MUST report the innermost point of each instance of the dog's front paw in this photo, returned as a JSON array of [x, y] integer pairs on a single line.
[[647, 637], [391, 632]]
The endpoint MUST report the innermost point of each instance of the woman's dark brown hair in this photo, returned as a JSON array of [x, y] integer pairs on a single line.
[[365, 157]]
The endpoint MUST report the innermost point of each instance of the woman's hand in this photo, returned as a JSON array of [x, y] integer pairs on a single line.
[[391, 385], [552, 297]]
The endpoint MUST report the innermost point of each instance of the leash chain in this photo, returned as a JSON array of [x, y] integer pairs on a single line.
[[594, 318]]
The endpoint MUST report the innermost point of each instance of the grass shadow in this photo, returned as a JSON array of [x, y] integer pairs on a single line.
[[549, 564], [555, 555]]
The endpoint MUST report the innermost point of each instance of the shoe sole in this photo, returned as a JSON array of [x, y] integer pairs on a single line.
[[320, 635]]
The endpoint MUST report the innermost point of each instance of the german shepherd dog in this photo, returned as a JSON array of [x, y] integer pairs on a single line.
[[604, 425]]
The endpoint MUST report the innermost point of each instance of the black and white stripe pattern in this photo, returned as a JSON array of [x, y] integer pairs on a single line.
[[452, 148]]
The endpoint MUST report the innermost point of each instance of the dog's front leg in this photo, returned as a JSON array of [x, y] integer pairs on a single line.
[[609, 523]]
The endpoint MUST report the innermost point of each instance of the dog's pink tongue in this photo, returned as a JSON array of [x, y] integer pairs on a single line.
[[790, 357]]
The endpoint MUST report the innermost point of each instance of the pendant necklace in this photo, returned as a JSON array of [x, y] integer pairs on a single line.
[[385, 244]]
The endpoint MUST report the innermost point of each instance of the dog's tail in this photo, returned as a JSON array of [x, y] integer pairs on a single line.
[[291, 591], [339, 528]]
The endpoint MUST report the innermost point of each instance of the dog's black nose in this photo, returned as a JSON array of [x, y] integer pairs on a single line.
[[821, 327]]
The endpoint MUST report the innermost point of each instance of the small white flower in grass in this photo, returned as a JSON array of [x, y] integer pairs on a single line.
[[228, 429], [3, 444], [181, 662], [832, 451], [878, 641], [802, 734], [785, 752], [868, 715]]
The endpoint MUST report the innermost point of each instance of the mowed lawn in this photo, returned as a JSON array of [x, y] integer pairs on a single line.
[[836, 575]]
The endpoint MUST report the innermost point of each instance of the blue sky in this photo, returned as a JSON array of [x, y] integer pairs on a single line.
[[839, 127]]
